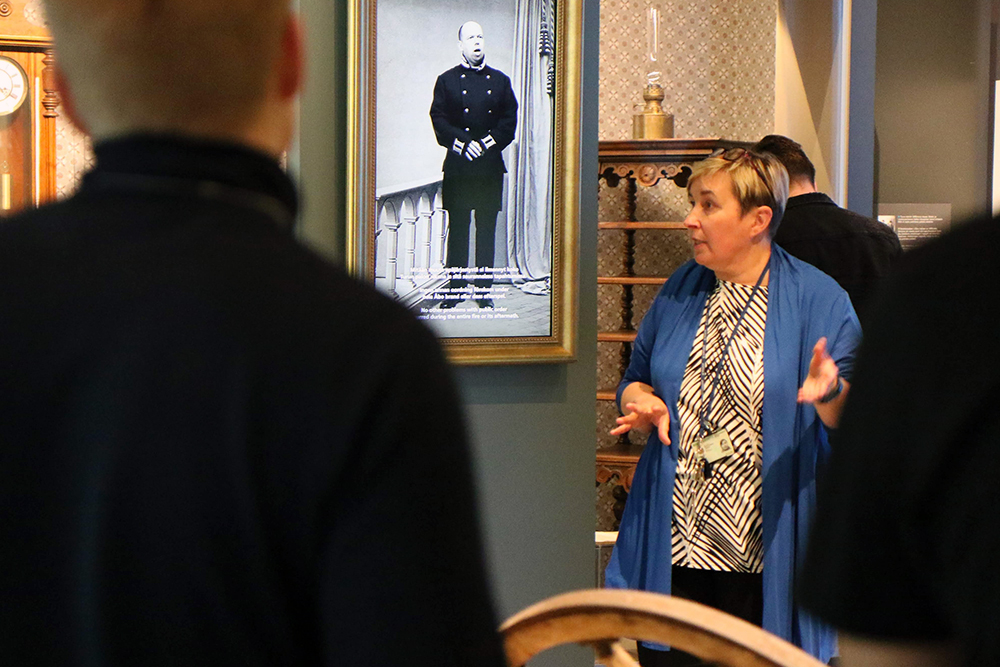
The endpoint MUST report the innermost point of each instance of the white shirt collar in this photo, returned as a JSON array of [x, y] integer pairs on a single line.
[[466, 64]]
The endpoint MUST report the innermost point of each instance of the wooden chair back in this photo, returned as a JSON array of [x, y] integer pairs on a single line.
[[600, 617]]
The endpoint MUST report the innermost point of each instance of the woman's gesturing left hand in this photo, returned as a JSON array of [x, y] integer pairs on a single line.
[[822, 380]]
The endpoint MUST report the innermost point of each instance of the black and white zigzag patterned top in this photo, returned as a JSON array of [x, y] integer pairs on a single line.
[[717, 520]]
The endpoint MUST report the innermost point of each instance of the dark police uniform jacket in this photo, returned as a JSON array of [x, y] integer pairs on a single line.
[[473, 104]]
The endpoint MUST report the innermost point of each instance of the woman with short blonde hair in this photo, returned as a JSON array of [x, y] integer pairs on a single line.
[[758, 179], [737, 371]]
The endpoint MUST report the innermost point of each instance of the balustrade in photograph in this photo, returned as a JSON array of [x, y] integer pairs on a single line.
[[410, 241]]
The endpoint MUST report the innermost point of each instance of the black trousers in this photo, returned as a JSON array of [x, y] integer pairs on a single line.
[[735, 593], [458, 243]]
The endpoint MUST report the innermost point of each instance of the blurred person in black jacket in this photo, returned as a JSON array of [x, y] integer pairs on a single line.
[[215, 443], [856, 251], [902, 556]]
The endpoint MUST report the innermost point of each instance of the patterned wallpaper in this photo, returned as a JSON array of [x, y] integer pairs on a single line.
[[34, 13], [73, 157], [718, 66]]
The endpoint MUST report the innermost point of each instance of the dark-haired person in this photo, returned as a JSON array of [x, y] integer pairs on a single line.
[[856, 251], [214, 442], [474, 114], [738, 369]]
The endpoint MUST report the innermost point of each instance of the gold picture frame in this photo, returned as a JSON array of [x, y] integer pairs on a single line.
[[375, 259]]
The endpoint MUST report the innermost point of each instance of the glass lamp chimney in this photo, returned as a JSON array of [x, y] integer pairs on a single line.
[[653, 47]]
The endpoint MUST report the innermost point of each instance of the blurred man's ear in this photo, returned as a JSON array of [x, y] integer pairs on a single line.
[[67, 101], [292, 73]]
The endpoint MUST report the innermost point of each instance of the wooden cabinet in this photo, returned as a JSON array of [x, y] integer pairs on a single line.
[[629, 165], [27, 134]]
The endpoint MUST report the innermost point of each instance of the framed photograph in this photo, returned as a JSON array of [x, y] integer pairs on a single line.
[[463, 140]]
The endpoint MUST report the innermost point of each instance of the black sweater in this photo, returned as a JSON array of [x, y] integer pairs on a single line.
[[217, 448]]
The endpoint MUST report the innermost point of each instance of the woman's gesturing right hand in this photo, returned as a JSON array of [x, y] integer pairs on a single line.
[[645, 410]]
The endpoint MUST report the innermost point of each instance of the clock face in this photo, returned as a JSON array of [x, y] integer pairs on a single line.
[[13, 86]]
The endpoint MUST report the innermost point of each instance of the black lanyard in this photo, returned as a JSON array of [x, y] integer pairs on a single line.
[[271, 207], [707, 406]]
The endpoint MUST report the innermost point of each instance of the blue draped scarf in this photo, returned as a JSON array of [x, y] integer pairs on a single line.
[[803, 305]]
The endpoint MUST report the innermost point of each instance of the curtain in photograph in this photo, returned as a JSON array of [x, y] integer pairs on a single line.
[[529, 182]]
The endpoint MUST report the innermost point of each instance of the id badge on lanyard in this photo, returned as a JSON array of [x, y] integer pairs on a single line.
[[717, 445]]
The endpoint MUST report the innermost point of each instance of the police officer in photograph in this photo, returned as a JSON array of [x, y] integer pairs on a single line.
[[474, 114]]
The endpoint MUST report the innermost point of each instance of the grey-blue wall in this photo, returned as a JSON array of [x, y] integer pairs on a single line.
[[861, 129], [932, 87], [532, 426]]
